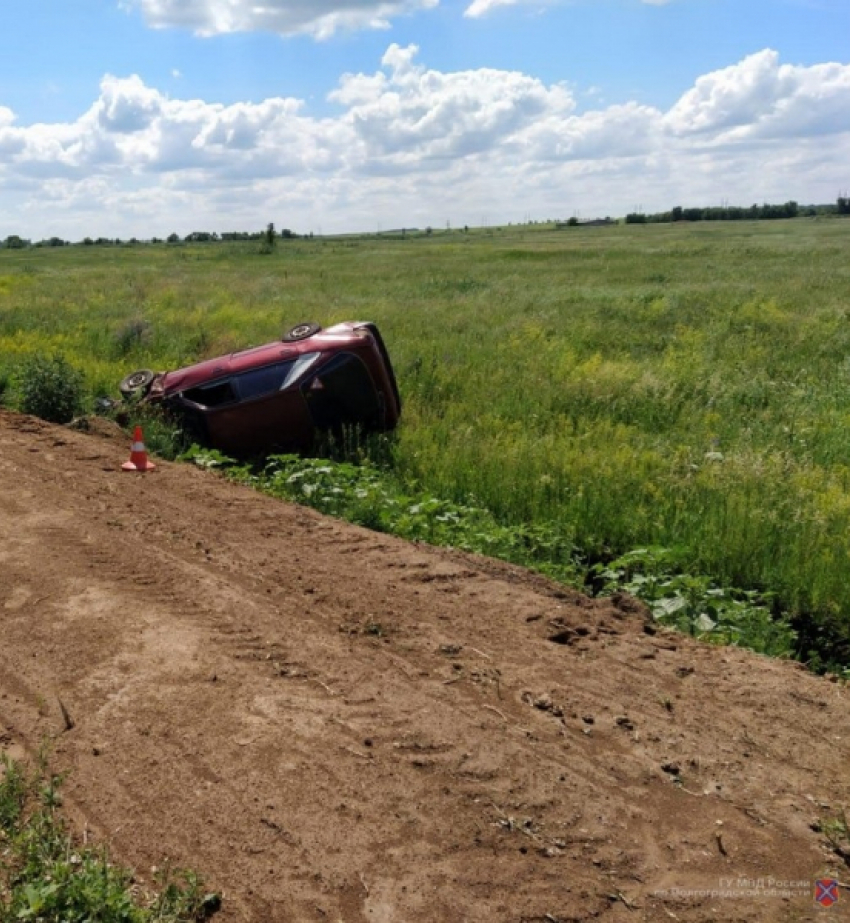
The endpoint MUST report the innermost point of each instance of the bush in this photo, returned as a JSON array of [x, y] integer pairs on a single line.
[[51, 388]]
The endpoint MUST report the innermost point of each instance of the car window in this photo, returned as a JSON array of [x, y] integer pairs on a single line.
[[262, 381], [212, 395], [299, 367]]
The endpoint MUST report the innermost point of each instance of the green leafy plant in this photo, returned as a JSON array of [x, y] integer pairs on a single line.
[[51, 388], [695, 604], [45, 877], [836, 829]]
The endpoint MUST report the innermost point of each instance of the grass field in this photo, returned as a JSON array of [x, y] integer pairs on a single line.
[[682, 386]]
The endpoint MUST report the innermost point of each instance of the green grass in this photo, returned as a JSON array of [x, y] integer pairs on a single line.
[[46, 876], [682, 387]]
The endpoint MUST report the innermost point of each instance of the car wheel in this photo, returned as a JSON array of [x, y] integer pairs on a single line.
[[137, 384], [301, 332]]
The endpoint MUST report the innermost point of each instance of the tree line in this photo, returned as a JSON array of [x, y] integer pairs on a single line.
[[765, 212], [16, 242]]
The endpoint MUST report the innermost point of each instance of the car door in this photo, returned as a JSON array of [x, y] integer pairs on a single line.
[[258, 413]]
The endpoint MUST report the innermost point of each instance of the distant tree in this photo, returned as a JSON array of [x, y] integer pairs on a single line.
[[572, 222], [173, 238], [14, 242], [842, 205], [635, 218], [87, 242], [268, 239]]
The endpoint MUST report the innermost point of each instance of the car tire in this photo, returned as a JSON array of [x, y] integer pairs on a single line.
[[301, 332], [137, 384]]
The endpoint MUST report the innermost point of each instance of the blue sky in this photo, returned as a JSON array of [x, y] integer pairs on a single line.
[[140, 117]]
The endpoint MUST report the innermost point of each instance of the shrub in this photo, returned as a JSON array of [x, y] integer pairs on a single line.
[[51, 388]]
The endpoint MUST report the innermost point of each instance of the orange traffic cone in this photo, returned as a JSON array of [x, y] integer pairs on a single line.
[[138, 455]]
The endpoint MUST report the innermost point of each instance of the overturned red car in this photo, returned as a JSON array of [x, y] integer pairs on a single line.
[[283, 396]]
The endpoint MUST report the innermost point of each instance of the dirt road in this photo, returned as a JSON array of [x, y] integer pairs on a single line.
[[331, 724]]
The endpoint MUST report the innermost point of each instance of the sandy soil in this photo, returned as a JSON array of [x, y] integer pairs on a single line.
[[335, 725]]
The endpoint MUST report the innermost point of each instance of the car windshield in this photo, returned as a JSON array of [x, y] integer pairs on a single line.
[[262, 381], [252, 384], [299, 367], [271, 378]]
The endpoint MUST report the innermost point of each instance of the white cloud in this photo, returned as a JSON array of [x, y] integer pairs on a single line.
[[413, 114], [624, 131], [483, 7], [410, 145], [320, 18], [127, 106], [761, 98]]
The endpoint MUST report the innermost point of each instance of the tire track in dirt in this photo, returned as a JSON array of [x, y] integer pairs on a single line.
[[331, 724]]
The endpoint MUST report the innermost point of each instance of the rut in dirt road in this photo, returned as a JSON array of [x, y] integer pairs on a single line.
[[331, 724]]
